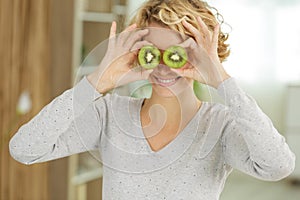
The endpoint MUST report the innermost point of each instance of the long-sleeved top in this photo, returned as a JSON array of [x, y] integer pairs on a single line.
[[195, 165]]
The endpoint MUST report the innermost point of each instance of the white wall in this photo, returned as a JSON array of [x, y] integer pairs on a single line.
[[132, 6], [265, 47]]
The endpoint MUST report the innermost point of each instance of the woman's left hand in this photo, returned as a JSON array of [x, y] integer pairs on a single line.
[[203, 62]]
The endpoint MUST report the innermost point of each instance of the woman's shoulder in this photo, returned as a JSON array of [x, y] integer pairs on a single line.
[[212, 120], [213, 110]]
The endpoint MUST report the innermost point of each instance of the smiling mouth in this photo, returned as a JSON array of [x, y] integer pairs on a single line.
[[166, 82]]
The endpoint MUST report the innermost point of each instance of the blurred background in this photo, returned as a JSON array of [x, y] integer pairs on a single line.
[[43, 44]]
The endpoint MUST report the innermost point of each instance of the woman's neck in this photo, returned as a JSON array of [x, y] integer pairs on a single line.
[[174, 110]]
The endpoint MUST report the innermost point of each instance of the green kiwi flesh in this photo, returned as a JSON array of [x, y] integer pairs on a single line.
[[175, 57], [149, 56]]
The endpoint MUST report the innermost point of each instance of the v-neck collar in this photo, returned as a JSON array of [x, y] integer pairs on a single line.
[[140, 158], [178, 143]]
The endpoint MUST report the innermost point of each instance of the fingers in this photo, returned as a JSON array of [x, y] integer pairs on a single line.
[[124, 34], [193, 49], [189, 43], [202, 36], [128, 38], [113, 29], [134, 37], [131, 75], [141, 73], [204, 28], [130, 28], [216, 37], [195, 32], [138, 45], [112, 35], [186, 72], [192, 73], [145, 73]]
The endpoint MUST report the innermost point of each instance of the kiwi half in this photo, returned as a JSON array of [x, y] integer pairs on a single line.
[[149, 56], [175, 56]]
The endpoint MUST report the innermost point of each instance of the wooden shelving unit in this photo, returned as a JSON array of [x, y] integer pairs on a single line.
[[92, 20]]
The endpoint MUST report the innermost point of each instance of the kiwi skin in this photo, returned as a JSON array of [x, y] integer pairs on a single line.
[[175, 57], [149, 56]]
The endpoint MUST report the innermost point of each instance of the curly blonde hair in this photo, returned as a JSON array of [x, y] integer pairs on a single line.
[[171, 13]]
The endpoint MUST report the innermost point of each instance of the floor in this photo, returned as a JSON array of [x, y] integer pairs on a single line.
[[240, 186]]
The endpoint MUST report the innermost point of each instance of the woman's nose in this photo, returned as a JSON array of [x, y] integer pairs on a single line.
[[162, 68]]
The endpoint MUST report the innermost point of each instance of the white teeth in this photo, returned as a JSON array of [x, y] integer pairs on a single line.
[[166, 80]]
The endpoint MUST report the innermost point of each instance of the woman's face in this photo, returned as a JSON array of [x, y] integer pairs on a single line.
[[165, 81]]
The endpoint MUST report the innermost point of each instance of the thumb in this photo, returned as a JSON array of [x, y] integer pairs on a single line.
[[142, 73], [129, 56], [126, 59], [185, 72], [146, 73]]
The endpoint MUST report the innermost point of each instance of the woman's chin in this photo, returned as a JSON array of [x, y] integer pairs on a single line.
[[164, 92], [170, 89]]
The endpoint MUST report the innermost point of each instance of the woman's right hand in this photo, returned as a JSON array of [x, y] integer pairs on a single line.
[[116, 68]]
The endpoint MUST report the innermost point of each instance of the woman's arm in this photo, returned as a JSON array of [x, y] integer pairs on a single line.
[[69, 124], [250, 141]]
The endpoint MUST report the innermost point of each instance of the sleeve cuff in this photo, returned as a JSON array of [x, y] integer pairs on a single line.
[[84, 94]]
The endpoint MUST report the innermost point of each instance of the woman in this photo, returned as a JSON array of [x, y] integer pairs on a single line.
[[171, 145]]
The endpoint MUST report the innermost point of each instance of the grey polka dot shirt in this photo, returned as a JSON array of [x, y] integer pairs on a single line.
[[195, 165]]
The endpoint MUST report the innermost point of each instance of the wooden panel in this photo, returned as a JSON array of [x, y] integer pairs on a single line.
[[24, 62], [5, 51], [94, 190], [98, 5], [61, 18], [61, 45], [94, 34]]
